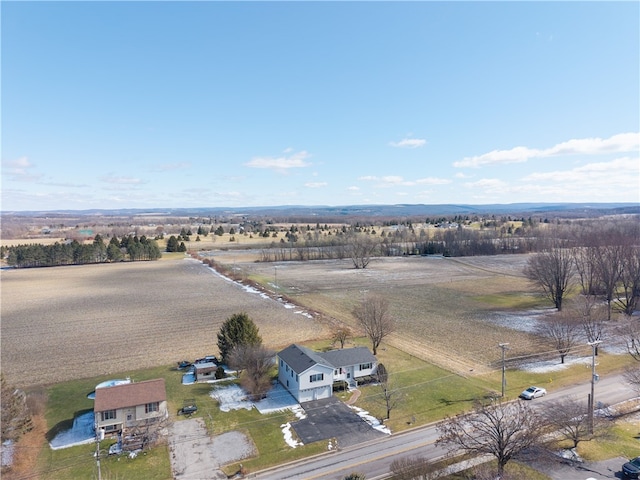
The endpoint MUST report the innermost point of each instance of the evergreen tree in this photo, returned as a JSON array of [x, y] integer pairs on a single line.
[[237, 330], [114, 254], [172, 244]]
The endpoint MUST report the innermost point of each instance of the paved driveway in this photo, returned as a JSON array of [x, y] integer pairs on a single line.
[[330, 418], [563, 470]]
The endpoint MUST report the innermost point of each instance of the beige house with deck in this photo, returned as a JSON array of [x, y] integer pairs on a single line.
[[124, 408]]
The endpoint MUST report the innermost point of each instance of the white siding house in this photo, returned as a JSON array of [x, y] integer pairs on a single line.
[[310, 375]]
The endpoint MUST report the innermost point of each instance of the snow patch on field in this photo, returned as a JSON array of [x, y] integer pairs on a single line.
[[523, 321], [555, 365]]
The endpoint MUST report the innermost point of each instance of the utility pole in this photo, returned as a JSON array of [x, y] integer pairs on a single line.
[[98, 455], [503, 346], [594, 378]]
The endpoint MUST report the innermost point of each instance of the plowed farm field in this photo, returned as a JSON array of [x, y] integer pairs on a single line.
[[70, 322], [444, 307], [83, 321]]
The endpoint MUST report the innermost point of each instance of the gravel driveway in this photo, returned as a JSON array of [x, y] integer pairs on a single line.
[[195, 455]]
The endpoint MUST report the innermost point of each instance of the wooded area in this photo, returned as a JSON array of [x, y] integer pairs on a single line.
[[129, 248]]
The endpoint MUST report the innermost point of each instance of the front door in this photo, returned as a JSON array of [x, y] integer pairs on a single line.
[[130, 416]]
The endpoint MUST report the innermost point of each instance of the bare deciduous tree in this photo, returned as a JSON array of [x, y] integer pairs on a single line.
[[373, 316], [391, 396], [16, 418], [562, 330], [341, 336], [627, 293], [569, 420], [146, 433], [360, 248], [255, 361], [355, 476], [609, 269], [500, 429], [632, 376], [553, 272], [631, 333], [591, 316]]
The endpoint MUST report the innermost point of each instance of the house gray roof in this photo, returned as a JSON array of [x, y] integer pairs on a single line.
[[300, 358], [348, 356]]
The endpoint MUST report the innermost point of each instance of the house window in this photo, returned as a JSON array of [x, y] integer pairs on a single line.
[[287, 367], [108, 415], [291, 373], [151, 407], [366, 366], [281, 362], [318, 377]]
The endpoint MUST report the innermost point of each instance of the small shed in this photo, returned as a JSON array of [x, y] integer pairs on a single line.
[[205, 371]]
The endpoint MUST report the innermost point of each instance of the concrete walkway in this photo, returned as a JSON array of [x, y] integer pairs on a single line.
[[354, 397]]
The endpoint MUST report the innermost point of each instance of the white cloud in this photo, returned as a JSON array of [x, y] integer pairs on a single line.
[[113, 180], [353, 189], [623, 142], [409, 143], [282, 163], [391, 180], [612, 181], [20, 170], [396, 180], [432, 181], [621, 173], [488, 184], [315, 184]]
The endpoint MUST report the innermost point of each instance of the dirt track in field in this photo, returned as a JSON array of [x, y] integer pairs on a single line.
[[62, 323]]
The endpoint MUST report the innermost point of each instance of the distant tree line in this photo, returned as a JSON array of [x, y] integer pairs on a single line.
[[451, 239], [128, 248]]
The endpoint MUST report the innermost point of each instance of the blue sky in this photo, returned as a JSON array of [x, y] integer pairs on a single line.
[[232, 104]]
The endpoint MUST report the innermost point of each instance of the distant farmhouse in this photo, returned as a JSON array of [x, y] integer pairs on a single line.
[[310, 375]]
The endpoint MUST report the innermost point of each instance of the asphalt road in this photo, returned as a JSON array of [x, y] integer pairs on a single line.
[[374, 458]]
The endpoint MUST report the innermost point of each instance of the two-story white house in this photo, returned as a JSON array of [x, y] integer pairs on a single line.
[[310, 375]]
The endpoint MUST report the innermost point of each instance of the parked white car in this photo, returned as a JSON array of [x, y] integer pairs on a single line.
[[533, 392]]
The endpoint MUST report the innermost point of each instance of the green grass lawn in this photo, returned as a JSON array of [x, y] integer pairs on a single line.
[[429, 393]]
